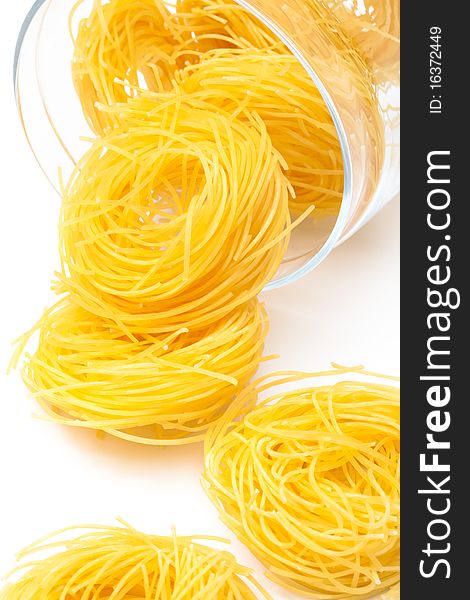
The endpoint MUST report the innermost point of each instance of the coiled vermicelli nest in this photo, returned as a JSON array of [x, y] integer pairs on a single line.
[[119, 45], [309, 481], [120, 563], [155, 390], [175, 219], [278, 89]]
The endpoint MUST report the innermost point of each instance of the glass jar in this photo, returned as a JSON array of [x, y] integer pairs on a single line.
[[349, 48]]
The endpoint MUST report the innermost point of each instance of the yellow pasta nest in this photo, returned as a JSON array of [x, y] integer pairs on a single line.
[[120, 45], [279, 90], [120, 563], [309, 481], [228, 58], [175, 219], [167, 390]]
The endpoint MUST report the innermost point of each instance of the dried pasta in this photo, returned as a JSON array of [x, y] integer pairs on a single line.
[[374, 26], [392, 594], [121, 563], [157, 391], [279, 90], [309, 481], [210, 24], [120, 45], [175, 219], [220, 51]]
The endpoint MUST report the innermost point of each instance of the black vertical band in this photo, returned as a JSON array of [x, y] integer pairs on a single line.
[[435, 259]]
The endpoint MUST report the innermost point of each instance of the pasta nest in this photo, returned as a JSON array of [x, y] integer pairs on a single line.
[[309, 481], [174, 219], [163, 390]]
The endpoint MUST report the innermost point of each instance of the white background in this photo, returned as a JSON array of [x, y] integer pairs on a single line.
[[346, 311]]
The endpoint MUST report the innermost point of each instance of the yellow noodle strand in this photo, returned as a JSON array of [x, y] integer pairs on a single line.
[[392, 594], [118, 42], [121, 563], [309, 481], [374, 27]]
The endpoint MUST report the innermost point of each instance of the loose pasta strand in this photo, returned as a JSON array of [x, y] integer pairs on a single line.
[[374, 27], [309, 481]]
